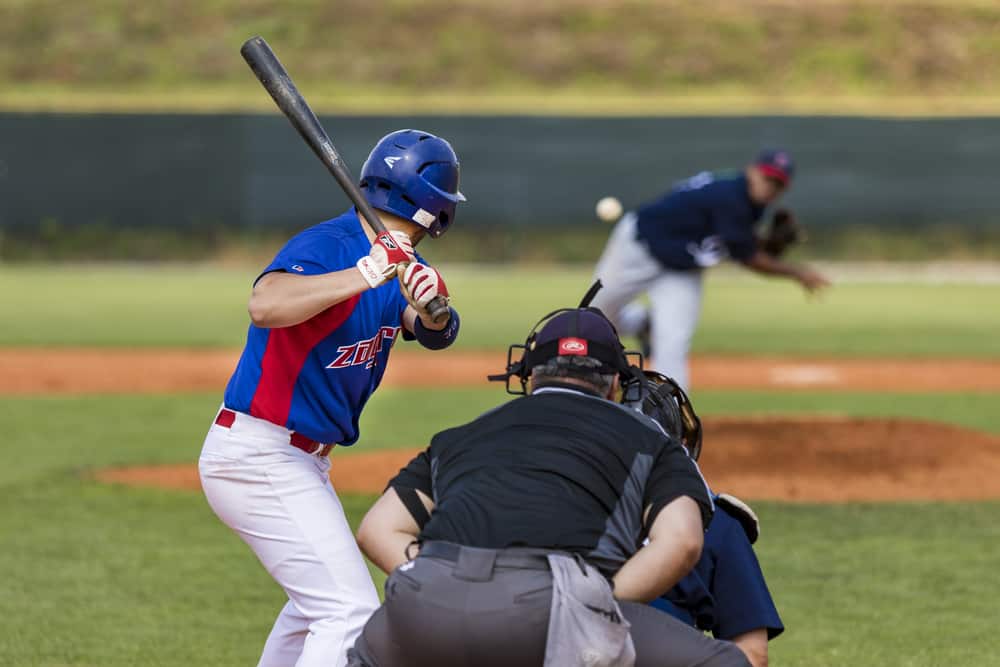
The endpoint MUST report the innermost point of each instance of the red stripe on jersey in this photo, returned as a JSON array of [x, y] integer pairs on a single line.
[[284, 356]]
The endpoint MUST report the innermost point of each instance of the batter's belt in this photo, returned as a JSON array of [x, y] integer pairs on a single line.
[[226, 418]]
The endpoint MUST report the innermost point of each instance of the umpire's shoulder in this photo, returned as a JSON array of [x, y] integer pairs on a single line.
[[639, 418], [468, 427]]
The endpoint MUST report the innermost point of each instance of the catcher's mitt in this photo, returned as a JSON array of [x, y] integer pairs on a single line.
[[783, 232]]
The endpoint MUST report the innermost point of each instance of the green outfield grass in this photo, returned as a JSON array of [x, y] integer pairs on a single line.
[[139, 305], [107, 575]]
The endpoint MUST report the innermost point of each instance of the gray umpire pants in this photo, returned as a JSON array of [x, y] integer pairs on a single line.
[[461, 607]]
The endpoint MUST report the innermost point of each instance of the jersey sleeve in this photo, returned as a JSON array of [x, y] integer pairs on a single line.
[[742, 599], [674, 474], [311, 253], [416, 475]]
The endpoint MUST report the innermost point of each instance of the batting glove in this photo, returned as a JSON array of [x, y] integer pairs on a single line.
[[389, 250], [420, 284]]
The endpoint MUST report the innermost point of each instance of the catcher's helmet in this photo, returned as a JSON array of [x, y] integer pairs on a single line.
[[661, 398], [414, 175]]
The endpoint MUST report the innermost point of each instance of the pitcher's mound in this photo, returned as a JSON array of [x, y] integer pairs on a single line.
[[840, 460], [802, 459]]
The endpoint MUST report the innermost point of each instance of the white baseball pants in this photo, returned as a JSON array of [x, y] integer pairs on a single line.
[[627, 269], [280, 501]]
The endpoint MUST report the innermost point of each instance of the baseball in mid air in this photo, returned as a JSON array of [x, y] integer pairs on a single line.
[[609, 209]]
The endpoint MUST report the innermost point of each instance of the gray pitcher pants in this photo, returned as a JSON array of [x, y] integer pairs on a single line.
[[486, 608]]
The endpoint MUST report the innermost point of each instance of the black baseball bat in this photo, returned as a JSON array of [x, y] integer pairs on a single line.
[[275, 79]]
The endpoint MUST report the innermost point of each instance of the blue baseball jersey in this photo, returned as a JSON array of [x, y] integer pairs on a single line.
[[315, 377], [725, 593], [700, 222]]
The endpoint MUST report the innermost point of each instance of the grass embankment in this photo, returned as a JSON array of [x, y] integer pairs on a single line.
[[171, 305], [571, 56]]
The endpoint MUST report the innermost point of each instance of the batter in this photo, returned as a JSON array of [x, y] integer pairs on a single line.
[[325, 315]]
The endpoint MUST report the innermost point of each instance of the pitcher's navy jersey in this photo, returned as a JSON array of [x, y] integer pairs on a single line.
[[700, 222], [315, 377], [725, 593]]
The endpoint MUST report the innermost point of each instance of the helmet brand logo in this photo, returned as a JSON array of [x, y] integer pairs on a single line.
[[424, 218], [391, 160], [576, 346]]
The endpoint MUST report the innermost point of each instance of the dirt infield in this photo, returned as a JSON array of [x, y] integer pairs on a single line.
[[99, 370], [802, 459]]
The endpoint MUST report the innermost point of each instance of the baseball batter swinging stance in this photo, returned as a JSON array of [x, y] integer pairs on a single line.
[[325, 314], [663, 247]]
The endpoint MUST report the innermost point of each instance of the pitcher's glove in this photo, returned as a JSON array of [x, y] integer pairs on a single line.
[[783, 232]]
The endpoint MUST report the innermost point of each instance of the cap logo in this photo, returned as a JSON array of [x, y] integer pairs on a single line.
[[573, 346], [781, 160], [391, 160]]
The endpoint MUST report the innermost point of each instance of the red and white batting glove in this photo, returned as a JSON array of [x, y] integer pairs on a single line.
[[420, 284], [388, 251]]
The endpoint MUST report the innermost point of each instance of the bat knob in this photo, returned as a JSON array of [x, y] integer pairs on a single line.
[[439, 309]]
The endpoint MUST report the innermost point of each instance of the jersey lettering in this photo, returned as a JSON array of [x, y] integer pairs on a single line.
[[344, 360], [709, 252], [364, 352]]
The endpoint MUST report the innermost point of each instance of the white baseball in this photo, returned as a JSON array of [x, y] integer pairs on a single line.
[[609, 209]]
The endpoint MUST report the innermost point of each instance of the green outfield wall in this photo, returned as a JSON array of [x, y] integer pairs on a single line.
[[253, 170]]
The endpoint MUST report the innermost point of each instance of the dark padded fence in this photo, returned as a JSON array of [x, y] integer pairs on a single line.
[[254, 170]]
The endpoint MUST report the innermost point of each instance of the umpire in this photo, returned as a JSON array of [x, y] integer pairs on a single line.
[[526, 519]]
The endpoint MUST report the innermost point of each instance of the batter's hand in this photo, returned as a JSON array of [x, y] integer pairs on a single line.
[[420, 284], [388, 252]]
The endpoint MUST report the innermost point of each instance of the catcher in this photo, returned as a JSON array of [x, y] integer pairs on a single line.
[[725, 593], [663, 247]]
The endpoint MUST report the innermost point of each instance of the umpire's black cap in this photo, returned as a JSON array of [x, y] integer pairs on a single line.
[[583, 332]]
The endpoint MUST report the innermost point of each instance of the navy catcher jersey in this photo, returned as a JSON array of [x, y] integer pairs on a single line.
[[726, 592], [315, 377], [700, 222]]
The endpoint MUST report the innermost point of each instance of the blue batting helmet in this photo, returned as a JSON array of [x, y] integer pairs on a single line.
[[414, 175]]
